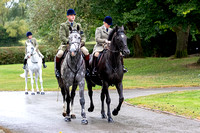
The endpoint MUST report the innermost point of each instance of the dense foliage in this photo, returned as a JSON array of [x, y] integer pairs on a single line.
[[13, 25], [153, 27]]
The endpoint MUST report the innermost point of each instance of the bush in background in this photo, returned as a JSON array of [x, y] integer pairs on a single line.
[[15, 55]]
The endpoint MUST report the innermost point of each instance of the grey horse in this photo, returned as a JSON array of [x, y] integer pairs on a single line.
[[73, 74]]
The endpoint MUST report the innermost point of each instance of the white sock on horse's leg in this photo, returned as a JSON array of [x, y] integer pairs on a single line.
[[32, 81], [64, 108], [36, 79], [26, 80], [41, 81]]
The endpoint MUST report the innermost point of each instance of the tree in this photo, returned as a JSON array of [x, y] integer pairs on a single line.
[[3, 11], [13, 28], [94, 11], [154, 16], [45, 17], [17, 10], [16, 28]]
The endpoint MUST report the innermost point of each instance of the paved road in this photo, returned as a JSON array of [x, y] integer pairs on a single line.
[[42, 114]]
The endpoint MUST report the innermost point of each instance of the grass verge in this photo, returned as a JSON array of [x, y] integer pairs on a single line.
[[143, 73], [184, 103]]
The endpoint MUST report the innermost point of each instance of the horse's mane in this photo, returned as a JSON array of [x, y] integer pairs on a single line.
[[111, 34]]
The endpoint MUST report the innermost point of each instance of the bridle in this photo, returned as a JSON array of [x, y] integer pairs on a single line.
[[115, 35]]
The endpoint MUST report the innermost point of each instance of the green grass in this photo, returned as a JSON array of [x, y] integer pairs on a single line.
[[185, 103], [161, 72], [143, 73]]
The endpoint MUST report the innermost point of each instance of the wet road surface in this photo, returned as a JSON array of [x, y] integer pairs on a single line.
[[42, 114]]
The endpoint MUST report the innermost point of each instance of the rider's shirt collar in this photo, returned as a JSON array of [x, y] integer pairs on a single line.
[[71, 23], [105, 28], [30, 40]]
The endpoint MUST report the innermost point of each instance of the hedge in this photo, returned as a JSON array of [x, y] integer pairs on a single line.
[[15, 55]]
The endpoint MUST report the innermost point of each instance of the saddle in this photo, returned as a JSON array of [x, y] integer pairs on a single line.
[[98, 60]]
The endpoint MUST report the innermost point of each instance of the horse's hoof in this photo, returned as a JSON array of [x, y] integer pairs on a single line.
[[26, 93], [67, 119], [38, 92], [64, 114], [91, 109], [115, 112], [73, 116], [33, 93], [110, 120], [42, 93], [103, 116], [84, 122]]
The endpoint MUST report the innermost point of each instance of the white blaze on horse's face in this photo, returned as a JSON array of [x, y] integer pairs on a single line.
[[74, 42], [73, 49]]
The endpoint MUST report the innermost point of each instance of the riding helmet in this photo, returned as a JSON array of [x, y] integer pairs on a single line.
[[108, 20], [71, 12], [28, 33]]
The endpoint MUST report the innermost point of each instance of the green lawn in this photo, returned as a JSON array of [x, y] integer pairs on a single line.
[[143, 73], [185, 103]]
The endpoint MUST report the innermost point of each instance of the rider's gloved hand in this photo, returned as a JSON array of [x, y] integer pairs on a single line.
[[82, 44], [108, 42]]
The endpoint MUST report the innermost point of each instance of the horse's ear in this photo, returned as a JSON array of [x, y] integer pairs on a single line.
[[78, 28], [122, 28], [116, 28]]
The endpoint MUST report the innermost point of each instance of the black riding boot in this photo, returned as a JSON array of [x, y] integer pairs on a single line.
[[94, 63], [25, 62], [124, 69], [57, 67], [87, 58], [43, 62]]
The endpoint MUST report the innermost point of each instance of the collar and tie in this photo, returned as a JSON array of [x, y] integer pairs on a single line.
[[107, 29], [71, 24]]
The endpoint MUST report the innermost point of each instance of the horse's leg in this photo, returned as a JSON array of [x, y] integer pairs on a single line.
[[82, 101], [73, 93], [108, 100], [32, 82], [68, 99], [36, 84], [41, 82], [119, 87], [64, 102], [26, 80], [103, 115], [90, 93]]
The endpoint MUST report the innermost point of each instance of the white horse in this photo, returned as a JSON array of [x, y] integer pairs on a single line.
[[34, 65]]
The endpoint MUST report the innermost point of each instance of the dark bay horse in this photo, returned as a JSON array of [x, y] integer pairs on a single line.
[[110, 72], [73, 74]]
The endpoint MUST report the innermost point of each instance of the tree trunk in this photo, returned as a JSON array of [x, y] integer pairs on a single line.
[[137, 47], [136, 41], [182, 41]]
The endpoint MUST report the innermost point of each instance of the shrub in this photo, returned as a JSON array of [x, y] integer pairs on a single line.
[[15, 55]]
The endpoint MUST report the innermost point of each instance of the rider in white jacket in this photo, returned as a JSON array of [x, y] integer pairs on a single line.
[[35, 44]]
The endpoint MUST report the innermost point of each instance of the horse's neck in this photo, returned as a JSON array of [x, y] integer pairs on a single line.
[[35, 57], [74, 60], [113, 55]]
